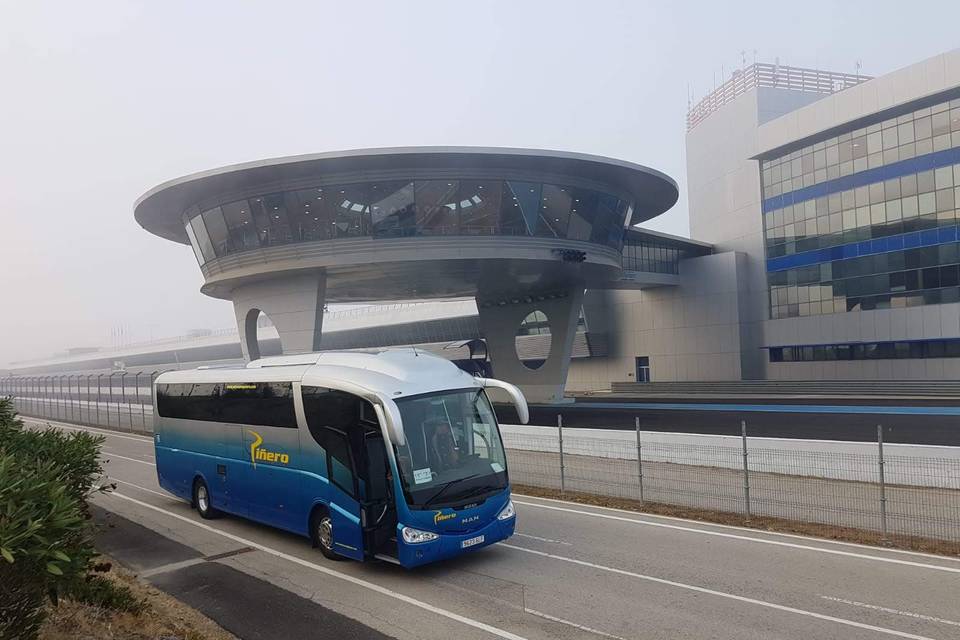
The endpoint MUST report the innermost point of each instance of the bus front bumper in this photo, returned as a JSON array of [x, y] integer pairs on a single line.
[[450, 545]]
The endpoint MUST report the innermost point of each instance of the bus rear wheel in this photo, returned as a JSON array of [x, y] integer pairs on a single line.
[[321, 532], [202, 500]]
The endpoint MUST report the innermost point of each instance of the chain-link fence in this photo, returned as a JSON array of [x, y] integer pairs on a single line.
[[914, 493], [899, 492]]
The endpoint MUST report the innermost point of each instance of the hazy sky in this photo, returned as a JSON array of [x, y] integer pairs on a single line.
[[102, 100]]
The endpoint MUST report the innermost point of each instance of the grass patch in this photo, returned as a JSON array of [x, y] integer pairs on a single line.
[[118, 606]]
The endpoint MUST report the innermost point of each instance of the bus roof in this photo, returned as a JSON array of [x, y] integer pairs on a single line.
[[393, 373]]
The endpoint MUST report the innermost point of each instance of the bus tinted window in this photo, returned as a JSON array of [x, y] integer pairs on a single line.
[[341, 468], [330, 415], [268, 404], [188, 401], [329, 408]]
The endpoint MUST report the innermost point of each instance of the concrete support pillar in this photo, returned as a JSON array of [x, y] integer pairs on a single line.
[[499, 324], [293, 304]]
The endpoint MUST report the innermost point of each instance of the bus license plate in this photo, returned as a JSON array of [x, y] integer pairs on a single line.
[[469, 542]]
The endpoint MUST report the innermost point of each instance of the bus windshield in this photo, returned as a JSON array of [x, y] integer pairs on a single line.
[[453, 450]]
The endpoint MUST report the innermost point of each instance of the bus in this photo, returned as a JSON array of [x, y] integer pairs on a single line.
[[392, 454]]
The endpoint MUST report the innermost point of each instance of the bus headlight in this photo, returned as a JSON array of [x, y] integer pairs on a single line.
[[415, 536], [508, 512]]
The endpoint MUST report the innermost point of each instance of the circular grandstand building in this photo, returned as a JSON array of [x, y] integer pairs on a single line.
[[519, 230]]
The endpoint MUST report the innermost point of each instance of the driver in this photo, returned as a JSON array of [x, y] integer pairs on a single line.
[[444, 446]]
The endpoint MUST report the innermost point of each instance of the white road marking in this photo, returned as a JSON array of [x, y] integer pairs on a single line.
[[717, 525], [720, 534], [697, 530], [898, 612], [173, 566], [527, 535], [108, 455], [136, 486], [547, 616], [721, 594], [500, 633]]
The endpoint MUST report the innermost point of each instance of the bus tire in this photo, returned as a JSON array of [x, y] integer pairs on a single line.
[[202, 500], [321, 533]]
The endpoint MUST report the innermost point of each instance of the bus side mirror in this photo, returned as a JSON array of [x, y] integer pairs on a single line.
[[523, 411]]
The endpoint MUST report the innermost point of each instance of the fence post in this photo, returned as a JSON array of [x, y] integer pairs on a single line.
[[639, 460], [563, 480], [746, 469], [883, 487], [123, 390], [99, 375], [89, 401], [143, 412]]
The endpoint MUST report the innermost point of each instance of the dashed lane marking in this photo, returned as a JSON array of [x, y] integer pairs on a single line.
[[527, 535], [874, 607], [547, 616]]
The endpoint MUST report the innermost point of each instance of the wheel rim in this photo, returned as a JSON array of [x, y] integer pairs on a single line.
[[202, 500], [325, 533]]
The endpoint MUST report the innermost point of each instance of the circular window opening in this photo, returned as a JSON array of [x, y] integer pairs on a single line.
[[257, 322], [532, 341]]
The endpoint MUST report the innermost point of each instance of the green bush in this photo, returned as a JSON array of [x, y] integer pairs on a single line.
[[76, 453], [46, 546], [43, 542]]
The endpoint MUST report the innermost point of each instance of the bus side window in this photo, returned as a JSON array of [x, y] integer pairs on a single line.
[[339, 463], [330, 416], [198, 401], [341, 467], [266, 404]]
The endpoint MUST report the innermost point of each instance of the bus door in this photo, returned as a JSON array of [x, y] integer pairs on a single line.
[[347, 447], [378, 508], [343, 493]]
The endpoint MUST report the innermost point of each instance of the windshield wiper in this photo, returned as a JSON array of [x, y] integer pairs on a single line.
[[443, 489], [476, 491]]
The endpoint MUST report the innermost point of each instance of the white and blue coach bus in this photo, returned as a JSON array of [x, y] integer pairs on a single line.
[[392, 454]]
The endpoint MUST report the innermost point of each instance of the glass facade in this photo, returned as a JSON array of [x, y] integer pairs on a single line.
[[642, 252], [868, 219], [890, 350], [405, 208]]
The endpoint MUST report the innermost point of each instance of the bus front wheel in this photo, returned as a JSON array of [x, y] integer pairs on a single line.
[[321, 532], [202, 500]]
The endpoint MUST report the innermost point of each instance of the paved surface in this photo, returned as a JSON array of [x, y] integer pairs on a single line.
[[577, 572], [247, 606]]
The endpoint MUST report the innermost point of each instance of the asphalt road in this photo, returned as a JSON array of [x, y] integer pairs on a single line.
[[572, 571]]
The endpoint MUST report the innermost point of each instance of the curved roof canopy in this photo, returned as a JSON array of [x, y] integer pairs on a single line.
[[159, 210]]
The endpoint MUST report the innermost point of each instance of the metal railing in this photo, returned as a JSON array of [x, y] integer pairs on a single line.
[[902, 493], [777, 76]]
